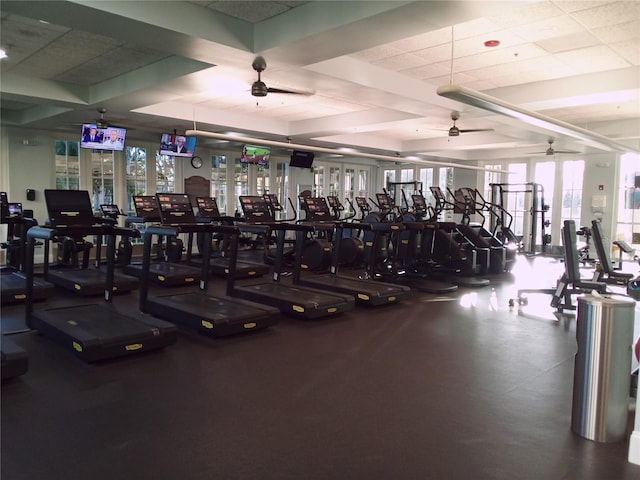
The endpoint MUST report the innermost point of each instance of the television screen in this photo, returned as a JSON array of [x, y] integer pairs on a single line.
[[255, 154], [301, 159], [177, 145], [109, 138]]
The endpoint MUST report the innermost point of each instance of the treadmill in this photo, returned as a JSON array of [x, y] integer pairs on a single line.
[[208, 212], [162, 272], [365, 292], [73, 207], [208, 314], [13, 283], [299, 302], [92, 331], [13, 360]]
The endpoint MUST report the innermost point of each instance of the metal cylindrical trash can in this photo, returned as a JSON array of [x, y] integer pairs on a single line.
[[602, 373]]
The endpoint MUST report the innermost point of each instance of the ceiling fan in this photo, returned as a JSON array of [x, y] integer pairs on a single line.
[[260, 89], [552, 151], [99, 122], [454, 131]]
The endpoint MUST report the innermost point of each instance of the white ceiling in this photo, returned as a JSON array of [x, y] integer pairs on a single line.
[[371, 69]]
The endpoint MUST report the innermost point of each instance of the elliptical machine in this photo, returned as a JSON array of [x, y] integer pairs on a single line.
[[351, 253]]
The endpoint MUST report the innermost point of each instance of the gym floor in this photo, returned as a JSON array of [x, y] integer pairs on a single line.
[[437, 387]]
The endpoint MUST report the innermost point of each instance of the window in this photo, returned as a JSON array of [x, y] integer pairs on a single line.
[[628, 225], [281, 183], [572, 175], [67, 165], [219, 181], [136, 175], [406, 175], [349, 191], [389, 178], [240, 180], [426, 178], [491, 177], [101, 178], [318, 181], [334, 181], [165, 173], [262, 179]]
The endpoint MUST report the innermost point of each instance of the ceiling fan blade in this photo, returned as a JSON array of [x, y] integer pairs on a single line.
[[470, 130], [290, 92]]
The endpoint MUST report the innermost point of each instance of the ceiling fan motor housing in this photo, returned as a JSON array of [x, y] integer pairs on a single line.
[[259, 89]]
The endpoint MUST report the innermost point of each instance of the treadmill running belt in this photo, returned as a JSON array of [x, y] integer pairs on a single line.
[[370, 293], [301, 302], [99, 331], [213, 315], [90, 281]]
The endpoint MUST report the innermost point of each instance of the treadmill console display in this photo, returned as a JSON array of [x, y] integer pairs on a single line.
[[255, 209], [15, 209], [146, 207], [207, 207], [109, 211], [175, 208], [69, 207]]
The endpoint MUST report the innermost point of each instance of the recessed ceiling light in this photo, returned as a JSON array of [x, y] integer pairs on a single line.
[[3, 54], [492, 43]]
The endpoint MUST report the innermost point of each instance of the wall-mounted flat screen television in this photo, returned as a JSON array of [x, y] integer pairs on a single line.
[[177, 145], [302, 159], [109, 138], [255, 154]]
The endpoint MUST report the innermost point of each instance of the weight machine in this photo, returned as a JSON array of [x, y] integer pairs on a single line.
[[533, 198]]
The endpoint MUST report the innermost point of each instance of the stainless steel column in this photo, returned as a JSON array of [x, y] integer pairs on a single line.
[[602, 374]]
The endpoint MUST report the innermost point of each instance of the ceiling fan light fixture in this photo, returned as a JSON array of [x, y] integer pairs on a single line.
[[454, 131], [259, 89]]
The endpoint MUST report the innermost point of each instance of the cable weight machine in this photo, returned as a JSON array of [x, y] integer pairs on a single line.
[[533, 201]]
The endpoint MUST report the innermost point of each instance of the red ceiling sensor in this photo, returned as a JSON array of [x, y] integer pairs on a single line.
[[492, 43]]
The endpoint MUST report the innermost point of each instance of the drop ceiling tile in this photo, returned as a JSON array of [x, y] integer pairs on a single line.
[[617, 33], [483, 84], [593, 59], [547, 28], [543, 68], [476, 46], [400, 62], [609, 14], [378, 53], [458, 78], [427, 71], [507, 56], [629, 50], [577, 5], [474, 28], [439, 53], [424, 40], [526, 14], [573, 41]]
